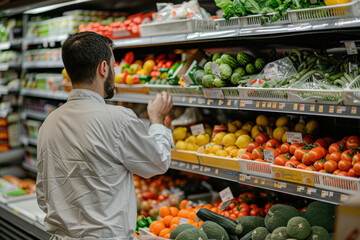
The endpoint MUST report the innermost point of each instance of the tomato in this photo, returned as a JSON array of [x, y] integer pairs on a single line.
[[272, 143], [129, 57], [320, 143], [351, 173], [345, 139], [257, 153], [293, 158], [251, 146], [352, 142], [172, 56], [319, 165], [293, 147], [260, 160], [329, 140], [356, 158], [306, 159], [233, 216], [316, 154], [285, 148], [301, 166], [261, 138], [276, 152], [336, 172], [356, 168], [244, 206], [255, 212], [169, 64], [299, 153], [242, 214], [307, 140], [330, 166], [226, 214], [344, 165], [246, 155], [322, 171], [160, 57], [294, 161], [336, 156], [289, 164], [343, 173], [347, 155], [327, 157], [281, 159], [310, 168]]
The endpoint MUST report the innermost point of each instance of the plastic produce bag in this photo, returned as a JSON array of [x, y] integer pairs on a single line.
[[273, 74], [189, 117]]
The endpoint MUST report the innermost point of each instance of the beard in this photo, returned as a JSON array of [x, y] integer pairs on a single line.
[[109, 86]]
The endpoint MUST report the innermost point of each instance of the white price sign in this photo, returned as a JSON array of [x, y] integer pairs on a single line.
[[213, 93], [226, 197], [187, 79], [197, 129], [215, 69], [183, 221], [293, 137], [351, 47], [269, 155]]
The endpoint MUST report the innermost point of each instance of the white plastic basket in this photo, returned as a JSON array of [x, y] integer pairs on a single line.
[[176, 90], [255, 20], [267, 94], [232, 23], [316, 96], [337, 183], [351, 9], [176, 27], [231, 92], [352, 93], [256, 168]]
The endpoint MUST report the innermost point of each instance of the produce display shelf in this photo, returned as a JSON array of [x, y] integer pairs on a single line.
[[12, 156], [41, 40], [9, 65], [7, 45], [316, 193], [26, 140], [45, 64], [30, 167], [29, 113], [58, 95], [21, 224], [5, 112]]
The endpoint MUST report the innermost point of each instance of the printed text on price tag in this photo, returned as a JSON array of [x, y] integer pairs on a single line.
[[294, 137], [215, 69], [269, 155], [351, 47], [197, 129], [226, 197]]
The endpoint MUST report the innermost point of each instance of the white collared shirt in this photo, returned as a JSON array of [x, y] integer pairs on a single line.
[[87, 151]]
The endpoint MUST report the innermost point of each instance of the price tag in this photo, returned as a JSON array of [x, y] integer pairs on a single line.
[[281, 106], [340, 109], [302, 107], [274, 105], [263, 104], [324, 193], [341, 21], [293, 137], [220, 102], [188, 166], [209, 101], [308, 191], [350, 47], [321, 108], [216, 171], [242, 103], [331, 109], [201, 101], [263, 181], [183, 99], [331, 194], [242, 177], [206, 169], [256, 180], [215, 69], [182, 164], [228, 103], [271, 72], [183, 221], [269, 104], [201, 168], [300, 188], [312, 108], [344, 198], [213, 93], [269, 155], [353, 110], [295, 106], [283, 185], [187, 79], [174, 163], [298, 27], [194, 166], [226, 197], [257, 104]]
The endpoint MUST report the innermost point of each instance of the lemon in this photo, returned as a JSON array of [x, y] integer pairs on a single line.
[[229, 139], [208, 131], [255, 131], [202, 139], [243, 141], [237, 123], [221, 153], [191, 146], [240, 151], [279, 132], [300, 127], [312, 127], [218, 137], [231, 128], [284, 138], [191, 139], [216, 148], [262, 120], [179, 133], [180, 145], [148, 65], [209, 148], [230, 148], [233, 152], [118, 78], [212, 154], [282, 121], [247, 127], [129, 79], [240, 132]]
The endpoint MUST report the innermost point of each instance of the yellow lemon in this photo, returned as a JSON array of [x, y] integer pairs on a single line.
[[202, 139], [129, 79], [240, 132], [229, 139], [312, 126], [237, 123], [212, 154], [191, 146], [243, 141], [240, 151], [284, 138], [230, 148], [231, 128], [282, 121], [221, 153], [208, 131], [279, 132], [180, 145], [262, 120], [216, 148], [233, 152], [218, 137], [300, 127], [255, 131], [247, 127], [148, 65], [179, 133], [209, 148], [191, 139]]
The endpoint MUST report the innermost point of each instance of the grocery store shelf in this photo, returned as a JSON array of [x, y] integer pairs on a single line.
[[21, 224], [29, 167], [42, 40], [7, 45], [26, 140], [263, 182], [29, 113], [12, 156], [9, 65], [3, 90], [58, 95], [45, 64], [5, 113]]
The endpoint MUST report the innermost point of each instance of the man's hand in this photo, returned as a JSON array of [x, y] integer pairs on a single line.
[[158, 108]]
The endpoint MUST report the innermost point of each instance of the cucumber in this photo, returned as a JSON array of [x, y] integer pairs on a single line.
[[348, 78], [344, 79], [232, 227], [336, 76], [307, 75], [248, 236]]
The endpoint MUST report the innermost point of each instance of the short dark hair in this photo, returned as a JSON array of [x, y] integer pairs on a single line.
[[83, 52]]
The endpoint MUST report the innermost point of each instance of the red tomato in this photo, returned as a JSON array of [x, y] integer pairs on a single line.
[[226, 214], [356, 158], [347, 155], [336, 172], [344, 165], [246, 156], [233, 216], [336, 156], [335, 147], [306, 159], [293, 158], [257, 153], [289, 164], [319, 165], [320, 143], [343, 173], [345, 139], [281, 160], [242, 213], [301, 166], [330, 166], [293, 147], [285, 148], [261, 138], [327, 157], [251, 146], [299, 153], [316, 154], [356, 168], [244, 207], [272, 143], [352, 142], [309, 168], [169, 64], [255, 212], [351, 173], [294, 161], [276, 152]]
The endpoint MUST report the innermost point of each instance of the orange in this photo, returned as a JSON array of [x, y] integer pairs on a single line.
[[164, 211], [173, 226], [192, 215], [190, 221], [214, 209], [167, 236], [183, 204], [175, 220], [167, 219], [174, 211], [163, 232], [156, 226], [208, 206], [184, 213]]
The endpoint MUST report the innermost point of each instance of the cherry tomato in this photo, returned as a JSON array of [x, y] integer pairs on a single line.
[[301, 166], [306, 159], [251, 146], [336, 172], [169, 64], [319, 165], [285, 148], [299, 153], [257, 153], [320, 143], [293, 147], [356, 158], [226, 214], [335, 147], [330, 166], [352, 142], [347, 155], [336, 156], [261, 138], [274, 143], [344, 165], [327, 157]]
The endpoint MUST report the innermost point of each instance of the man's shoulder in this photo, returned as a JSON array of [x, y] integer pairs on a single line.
[[119, 110]]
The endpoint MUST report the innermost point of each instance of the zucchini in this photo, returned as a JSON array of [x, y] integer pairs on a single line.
[[344, 79], [248, 236], [232, 227], [336, 76], [348, 78], [307, 75]]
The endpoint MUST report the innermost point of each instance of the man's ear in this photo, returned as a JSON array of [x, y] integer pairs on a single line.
[[103, 69]]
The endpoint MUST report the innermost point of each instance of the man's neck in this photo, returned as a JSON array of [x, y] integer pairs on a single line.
[[93, 87]]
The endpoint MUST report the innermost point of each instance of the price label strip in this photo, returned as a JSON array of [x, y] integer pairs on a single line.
[[300, 189], [197, 129], [226, 197], [294, 137], [213, 93]]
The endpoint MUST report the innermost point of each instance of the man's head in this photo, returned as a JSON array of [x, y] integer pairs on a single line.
[[88, 57]]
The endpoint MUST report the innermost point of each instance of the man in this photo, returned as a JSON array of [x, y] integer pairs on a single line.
[[88, 150]]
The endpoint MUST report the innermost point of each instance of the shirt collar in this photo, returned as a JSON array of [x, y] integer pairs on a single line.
[[77, 94]]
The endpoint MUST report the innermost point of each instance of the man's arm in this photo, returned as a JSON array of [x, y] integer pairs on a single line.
[[40, 188]]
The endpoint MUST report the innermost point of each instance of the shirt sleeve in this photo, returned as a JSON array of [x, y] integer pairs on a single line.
[[40, 187], [145, 152]]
